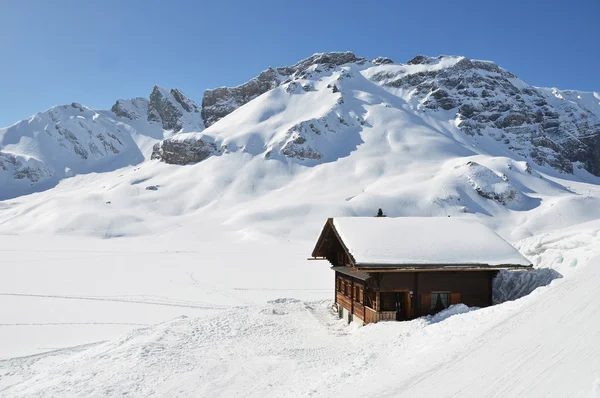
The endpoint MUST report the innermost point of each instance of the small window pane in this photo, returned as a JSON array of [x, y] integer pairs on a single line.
[[445, 297], [440, 301]]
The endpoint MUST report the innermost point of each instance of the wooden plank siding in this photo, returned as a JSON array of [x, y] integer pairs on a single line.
[[472, 288], [350, 295], [344, 301], [386, 316], [359, 311], [370, 315]]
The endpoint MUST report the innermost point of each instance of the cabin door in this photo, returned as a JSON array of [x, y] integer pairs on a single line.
[[400, 304], [403, 306]]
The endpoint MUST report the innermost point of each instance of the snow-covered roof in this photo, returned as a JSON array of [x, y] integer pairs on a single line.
[[385, 241]]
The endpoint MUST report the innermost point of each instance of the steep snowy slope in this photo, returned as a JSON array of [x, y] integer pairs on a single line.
[[73, 139]]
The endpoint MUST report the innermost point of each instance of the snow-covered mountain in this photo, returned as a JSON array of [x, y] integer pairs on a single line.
[[73, 139], [315, 111], [318, 109]]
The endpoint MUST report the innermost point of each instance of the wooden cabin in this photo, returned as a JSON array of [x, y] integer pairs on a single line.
[[403, 268]]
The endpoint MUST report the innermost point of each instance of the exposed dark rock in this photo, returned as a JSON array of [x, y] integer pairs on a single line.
[[382, 61], [512, 120], [182, 152], [118, 110], [77, 106], [220, 102], [162, 110], [296, 150], [21, 169]]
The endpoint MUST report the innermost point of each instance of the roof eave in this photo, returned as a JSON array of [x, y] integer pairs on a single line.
[[441, 267]]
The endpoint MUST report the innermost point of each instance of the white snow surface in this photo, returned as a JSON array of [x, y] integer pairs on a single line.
[[424, 241]]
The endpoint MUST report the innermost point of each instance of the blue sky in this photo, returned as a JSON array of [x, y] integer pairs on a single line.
[[96, 52]]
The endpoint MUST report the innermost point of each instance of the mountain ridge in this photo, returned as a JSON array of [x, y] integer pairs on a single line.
[[538, 124], [66, 140], [468, 100]]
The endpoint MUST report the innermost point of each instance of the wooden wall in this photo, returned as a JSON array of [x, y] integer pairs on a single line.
[[370, 316], [347, 295], [473, 288], [395, 281], [344, 301]]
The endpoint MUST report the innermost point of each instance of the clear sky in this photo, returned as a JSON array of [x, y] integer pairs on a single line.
[[94, 52]]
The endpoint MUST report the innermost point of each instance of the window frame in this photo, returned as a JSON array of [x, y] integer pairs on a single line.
[[439, 293]]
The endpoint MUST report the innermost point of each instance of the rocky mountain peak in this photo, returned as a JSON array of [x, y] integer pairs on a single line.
[[168, 107], [218, 103], [326, 60], [382, 61], [485, 99], [131, 109]]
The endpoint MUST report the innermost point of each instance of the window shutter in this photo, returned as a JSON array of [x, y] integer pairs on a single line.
[[454, 298], [425, 303]]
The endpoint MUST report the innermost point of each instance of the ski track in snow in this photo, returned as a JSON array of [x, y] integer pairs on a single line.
[[164, 302]]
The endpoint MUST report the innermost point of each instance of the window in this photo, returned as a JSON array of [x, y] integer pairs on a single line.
[[357, 294], [440, 300], [338, 284], [346, 289]]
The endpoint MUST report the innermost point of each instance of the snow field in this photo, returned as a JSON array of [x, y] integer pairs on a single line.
[[256, 347]]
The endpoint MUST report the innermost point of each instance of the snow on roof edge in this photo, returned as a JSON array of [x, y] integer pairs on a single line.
[[382, 242]]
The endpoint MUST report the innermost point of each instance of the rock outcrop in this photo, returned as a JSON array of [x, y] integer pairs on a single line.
[[492, 186], [183, 151], [551, 127], [23, 169], [169, 108]]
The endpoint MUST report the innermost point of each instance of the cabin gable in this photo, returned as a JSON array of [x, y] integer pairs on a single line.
[[331, 247]]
